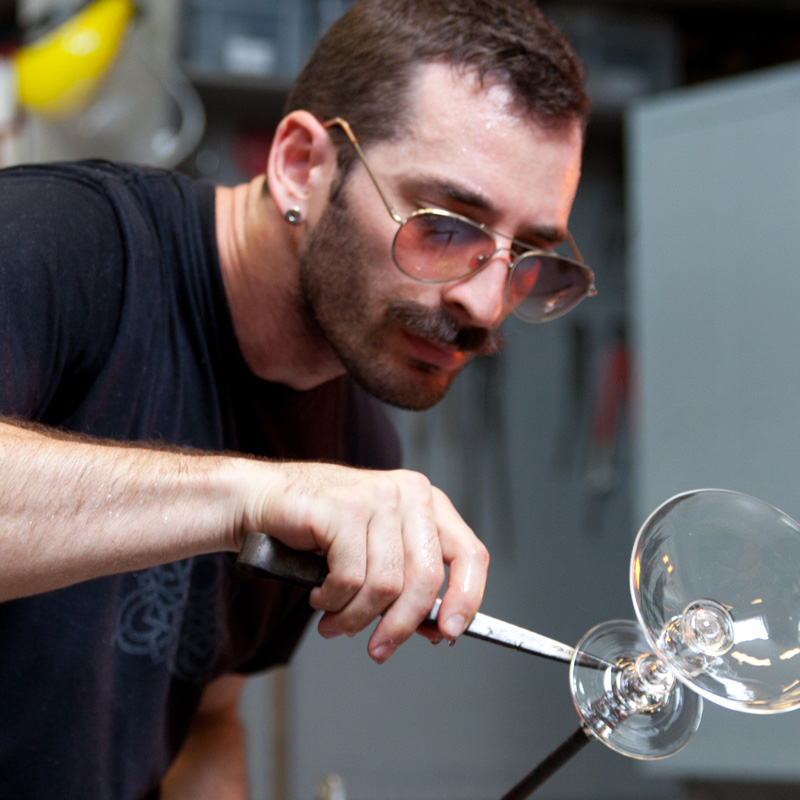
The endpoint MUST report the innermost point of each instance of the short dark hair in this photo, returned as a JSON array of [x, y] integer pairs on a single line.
[[363, 68]]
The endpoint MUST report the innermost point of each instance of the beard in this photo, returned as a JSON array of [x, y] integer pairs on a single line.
[[341, 302]]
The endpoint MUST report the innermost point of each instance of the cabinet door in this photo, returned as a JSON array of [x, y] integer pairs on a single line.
[[715, 274]]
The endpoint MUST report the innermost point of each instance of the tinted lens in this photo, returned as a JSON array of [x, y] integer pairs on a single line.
[[436, 246], [543, 287]]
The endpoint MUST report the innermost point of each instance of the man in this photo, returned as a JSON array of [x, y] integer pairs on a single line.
[[427, 149]]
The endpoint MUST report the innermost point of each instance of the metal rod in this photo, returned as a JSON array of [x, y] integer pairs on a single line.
[[265, 557], [549, 766]]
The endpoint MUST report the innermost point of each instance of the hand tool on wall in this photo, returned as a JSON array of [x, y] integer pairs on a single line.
[[610, 401], [570, 433]]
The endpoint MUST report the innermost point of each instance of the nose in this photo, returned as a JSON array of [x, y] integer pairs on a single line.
[[481, 299]]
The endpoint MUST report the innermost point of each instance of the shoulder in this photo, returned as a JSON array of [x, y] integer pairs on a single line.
[[85, 190], [35, 194], [53, 215], [98, 211]]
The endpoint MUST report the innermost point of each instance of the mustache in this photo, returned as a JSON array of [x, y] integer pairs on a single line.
[[442, 327]]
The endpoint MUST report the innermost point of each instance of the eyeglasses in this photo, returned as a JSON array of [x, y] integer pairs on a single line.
[[437, 246]]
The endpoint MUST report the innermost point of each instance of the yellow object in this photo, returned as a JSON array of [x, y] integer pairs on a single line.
[[58, 73]]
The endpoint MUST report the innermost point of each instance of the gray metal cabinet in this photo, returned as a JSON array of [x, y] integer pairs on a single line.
[[715, 275]]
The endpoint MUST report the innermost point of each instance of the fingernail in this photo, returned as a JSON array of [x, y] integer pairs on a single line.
[[327, 632], [382, 652], [454, 626]]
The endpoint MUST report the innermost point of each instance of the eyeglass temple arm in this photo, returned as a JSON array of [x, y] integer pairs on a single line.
[[345, 126], [573, 244]]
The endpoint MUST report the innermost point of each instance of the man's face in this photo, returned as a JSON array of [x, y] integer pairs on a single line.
[[405, 341]]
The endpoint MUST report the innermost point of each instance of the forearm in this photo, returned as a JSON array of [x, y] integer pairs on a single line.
[[73, 509], [211, 764], [210, 767]]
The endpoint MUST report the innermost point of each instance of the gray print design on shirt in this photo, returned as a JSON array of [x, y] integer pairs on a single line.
[[170, 615]]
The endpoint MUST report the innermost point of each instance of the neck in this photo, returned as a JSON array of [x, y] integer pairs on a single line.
[[260, 261]]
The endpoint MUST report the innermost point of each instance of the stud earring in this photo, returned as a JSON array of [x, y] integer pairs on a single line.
[[293, 215]]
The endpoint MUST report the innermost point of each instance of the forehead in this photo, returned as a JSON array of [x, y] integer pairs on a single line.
[[459, 131]]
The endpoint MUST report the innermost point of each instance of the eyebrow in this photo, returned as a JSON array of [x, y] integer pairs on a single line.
[[457, 193]]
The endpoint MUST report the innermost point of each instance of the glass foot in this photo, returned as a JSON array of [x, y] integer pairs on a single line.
[[635, 706]]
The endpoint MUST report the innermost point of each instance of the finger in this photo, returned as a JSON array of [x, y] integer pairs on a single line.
[[383, 578], [430, 631], [347, 569], [423, 574], [468, 560]]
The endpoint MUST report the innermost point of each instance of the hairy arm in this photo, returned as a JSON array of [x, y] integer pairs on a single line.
[[211, 764], [73, 509]]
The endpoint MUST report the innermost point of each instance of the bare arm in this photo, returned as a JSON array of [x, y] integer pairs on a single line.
[[73, 509], [211, 764]]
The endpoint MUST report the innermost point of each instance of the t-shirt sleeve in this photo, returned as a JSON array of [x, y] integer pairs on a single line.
[[61, 259]]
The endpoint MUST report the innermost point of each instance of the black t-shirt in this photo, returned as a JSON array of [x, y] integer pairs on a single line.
[[113, 322]]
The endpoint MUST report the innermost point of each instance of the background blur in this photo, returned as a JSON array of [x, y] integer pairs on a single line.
[[681, 373]]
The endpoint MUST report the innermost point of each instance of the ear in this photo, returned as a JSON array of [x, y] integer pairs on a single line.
[[301, 163]]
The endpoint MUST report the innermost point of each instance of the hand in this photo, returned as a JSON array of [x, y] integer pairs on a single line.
[[387, 537]]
